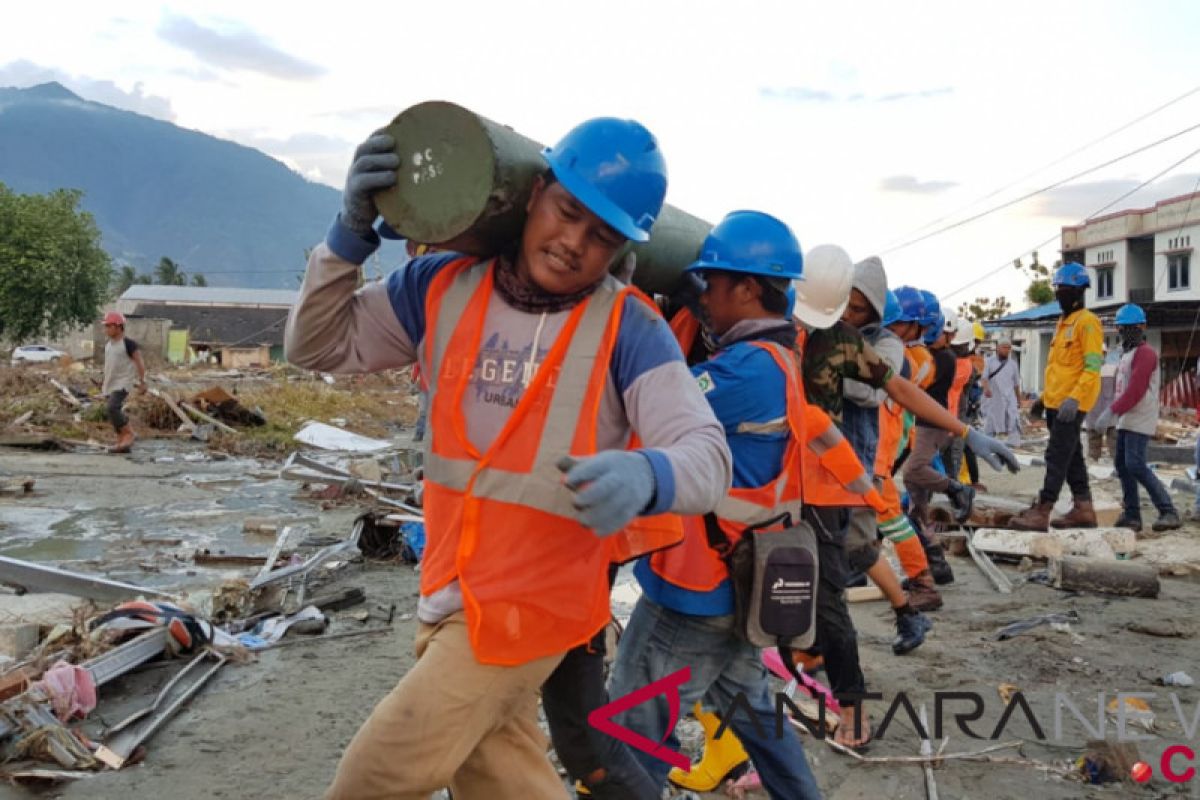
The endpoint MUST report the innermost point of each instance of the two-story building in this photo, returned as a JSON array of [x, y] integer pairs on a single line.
[[1141, 256]]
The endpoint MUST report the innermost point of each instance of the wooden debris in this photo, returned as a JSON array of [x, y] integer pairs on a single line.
[[66, 394], [166, 398], [863, 594], [200, 415]]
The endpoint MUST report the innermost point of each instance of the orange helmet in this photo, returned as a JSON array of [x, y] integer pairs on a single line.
[[114, 318]]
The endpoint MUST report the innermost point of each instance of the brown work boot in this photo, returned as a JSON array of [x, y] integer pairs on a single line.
[[1081, 515], [922, 595], [1034, 518], [125, 438]]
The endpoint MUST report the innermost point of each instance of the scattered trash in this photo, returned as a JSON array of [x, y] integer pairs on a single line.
[[1107, 761], [327, 437], [1176, 679], [1007, 690], [70, 689], [1136, 710], [1014, 629]]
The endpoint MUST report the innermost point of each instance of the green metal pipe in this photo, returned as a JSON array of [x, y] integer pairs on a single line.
[[465, 181]]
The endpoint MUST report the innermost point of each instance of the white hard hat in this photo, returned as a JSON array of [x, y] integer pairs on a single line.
[[951, 324], [824, 290], [964, 335]]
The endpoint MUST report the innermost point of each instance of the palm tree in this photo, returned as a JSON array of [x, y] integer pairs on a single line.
[[168, 273]]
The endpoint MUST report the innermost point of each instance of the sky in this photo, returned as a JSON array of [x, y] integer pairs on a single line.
[[861, 124]]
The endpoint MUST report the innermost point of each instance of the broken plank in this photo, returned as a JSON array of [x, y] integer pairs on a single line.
[[1109, 543], [200, 415], [65, 393], [171, 404]]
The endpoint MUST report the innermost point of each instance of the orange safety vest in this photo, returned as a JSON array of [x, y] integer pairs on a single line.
[[835, 477], [920, 362], [693, 564], [962, 374], [534, 580]]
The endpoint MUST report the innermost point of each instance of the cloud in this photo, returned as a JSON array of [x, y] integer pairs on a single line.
[[236, 48], [380, 114], [798, 94], [807, 94], [1076, 202], [324, 159], [910, 185], [23, 74], [920, 95]]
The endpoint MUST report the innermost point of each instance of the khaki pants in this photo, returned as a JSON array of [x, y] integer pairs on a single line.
[[452, 721], [1097, 440]]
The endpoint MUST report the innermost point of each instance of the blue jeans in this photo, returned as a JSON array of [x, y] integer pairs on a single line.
[[658, 642], [1132, 470]]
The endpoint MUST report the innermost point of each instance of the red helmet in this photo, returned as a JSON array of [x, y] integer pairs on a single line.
[[114, 318]]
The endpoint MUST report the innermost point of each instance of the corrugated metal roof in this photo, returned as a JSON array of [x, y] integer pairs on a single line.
[[210, 294], [1044, 311]]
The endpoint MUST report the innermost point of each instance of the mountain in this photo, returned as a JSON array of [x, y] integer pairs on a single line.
[[217, 208]]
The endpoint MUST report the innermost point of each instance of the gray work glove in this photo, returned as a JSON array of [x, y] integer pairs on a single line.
[[611, 488], [1068, 410], [1104, 421], [373, 169], [992, 451]]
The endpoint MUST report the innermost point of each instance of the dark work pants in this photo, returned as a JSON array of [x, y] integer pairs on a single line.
[[836, 636], [1064, 459], [574, 690], [116, 409]]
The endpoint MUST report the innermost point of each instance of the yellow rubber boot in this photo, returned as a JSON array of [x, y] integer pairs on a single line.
[[721, 756]]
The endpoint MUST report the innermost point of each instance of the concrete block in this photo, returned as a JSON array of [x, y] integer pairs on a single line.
[[18, 640]]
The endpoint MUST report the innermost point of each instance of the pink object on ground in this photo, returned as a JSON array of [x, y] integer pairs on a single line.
[[774, 662], [71, 690]]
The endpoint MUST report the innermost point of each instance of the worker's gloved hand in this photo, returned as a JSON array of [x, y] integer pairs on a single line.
[[373, 169], [1068, 410], [1104, 421], [992, 451], [611, 488]]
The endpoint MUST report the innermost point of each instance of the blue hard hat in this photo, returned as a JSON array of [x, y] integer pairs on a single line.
[[935, 331], [614, 167], [754, 243], [1071, 274], [933, 311], [1129, 314], [912, 304], [791, 301], [891, 309]]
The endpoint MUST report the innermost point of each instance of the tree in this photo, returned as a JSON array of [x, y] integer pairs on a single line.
[[125, 277], [168, 273], [1039, 292], [984, 308], [53, 272], [199, 280]]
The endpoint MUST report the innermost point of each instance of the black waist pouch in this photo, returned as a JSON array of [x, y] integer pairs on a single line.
[[774, 572]]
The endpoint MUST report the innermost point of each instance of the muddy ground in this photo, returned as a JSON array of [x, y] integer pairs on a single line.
[[274, 728]]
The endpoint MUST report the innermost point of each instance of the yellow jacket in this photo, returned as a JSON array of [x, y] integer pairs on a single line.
[[1073, 367]]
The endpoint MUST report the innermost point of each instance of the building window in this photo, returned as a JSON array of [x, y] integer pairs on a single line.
[[1104, 283], [1179, 271]]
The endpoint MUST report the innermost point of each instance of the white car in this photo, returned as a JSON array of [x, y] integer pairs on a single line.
[[31, 353]]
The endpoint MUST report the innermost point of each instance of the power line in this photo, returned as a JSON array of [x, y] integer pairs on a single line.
[[1089, 217], [1036, 192], [1055, 162]]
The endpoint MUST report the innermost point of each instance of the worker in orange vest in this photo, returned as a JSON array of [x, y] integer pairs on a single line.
[[530, 357], [685, 615]]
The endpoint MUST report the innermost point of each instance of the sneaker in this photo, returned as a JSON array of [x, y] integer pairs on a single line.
[[1167, 522], [910, 632]]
